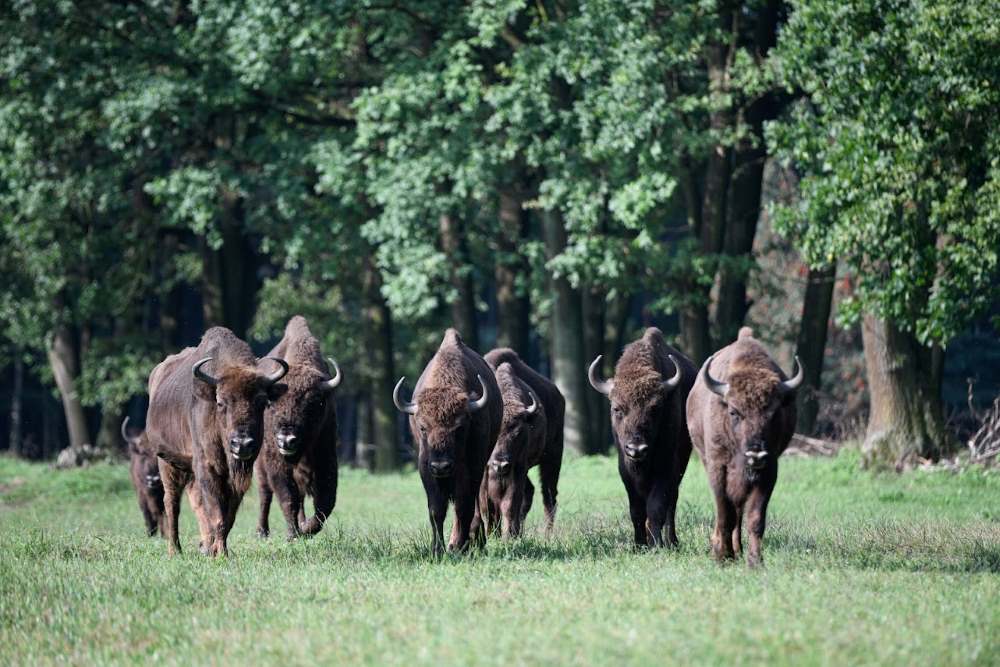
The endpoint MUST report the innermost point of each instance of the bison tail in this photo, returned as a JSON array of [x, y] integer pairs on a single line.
[[745, 332]]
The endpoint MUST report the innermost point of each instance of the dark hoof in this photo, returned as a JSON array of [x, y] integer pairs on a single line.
[[263, 533]]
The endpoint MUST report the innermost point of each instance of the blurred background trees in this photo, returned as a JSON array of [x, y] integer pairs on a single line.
[[552, 176]]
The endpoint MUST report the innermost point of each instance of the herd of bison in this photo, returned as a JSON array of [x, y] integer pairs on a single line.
[[218, 414]]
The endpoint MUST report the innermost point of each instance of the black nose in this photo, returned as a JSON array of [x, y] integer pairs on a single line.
[[440, 468], [500, 466], [287, 443], [636, 450], [242, 446]]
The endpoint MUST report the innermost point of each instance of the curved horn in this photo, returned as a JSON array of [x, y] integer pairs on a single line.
[[410, 407], [333, 382], [603, 386], [278, 374], [533, 408], [800, 374], [714, 386], [125, 435], [675, 379], [479, 403], [202, 375]]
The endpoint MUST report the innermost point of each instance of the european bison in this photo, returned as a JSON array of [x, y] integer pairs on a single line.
[[651, 383], [741, 413], [145, 475], [299, 457], [205, 418], [454, 430], [531, 434]]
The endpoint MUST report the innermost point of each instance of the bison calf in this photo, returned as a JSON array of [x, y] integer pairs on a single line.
[[741, 413], [145, 475], [531, 434], [648, 392], [299, 457], [454, 418]]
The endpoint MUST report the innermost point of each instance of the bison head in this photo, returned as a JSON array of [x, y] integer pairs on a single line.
[[142, 460], [300, 407], [441, 416], [752, 396], [240, 395], [519, 419], [636, 400]]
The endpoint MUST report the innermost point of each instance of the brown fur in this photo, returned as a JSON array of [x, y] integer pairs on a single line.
[[519, 447], [189, 425], [755, 416], [446, 431], [145, 474], [644, 413], [307, 411]]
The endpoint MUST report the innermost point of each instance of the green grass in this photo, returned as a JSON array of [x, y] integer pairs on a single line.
[[861, 569]]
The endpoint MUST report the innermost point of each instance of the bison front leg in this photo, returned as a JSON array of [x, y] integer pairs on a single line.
[[737, 533], [511, 509], [174, 481], [290, 501], [725, 519], [656, 515], [264, 519], [637, 512], [198, 509], [529, 495], [147, 515], [466, 513], [214, 502], [437, 507], [756, 510]]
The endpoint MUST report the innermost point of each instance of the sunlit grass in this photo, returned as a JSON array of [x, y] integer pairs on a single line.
[[860, 569]]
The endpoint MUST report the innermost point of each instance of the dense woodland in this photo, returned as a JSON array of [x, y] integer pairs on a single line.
[[549, 175]]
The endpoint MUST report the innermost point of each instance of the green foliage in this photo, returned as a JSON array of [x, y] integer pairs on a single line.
[[915, 553], [898, 145]]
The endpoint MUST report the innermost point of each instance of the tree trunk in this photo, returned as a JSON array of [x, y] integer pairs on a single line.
[[744, 210], [812, 343], [16, 397], [382, 371], [229, 280], [62, 358], [513, 305], [463, 307], [569, 370], [109, 434], [906, 421], [593, 344], [616, 314]]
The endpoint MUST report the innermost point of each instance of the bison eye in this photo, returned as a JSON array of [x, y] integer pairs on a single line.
[[617, 411], [735, 414]]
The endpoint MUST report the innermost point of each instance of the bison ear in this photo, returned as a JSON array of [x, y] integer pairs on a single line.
[[203, 390], [276, 391]]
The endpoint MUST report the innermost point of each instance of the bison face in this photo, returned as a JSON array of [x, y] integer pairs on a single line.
[[515, 433], [637, 400], [240, 395], [753, 399], [300, 409], [635, 420], [440, 417], [146, 467]]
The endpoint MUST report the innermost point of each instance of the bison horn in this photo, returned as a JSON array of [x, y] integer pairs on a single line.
[[675, 379], [333, 382], [479, 403], [202, 375], [793, 384], [125, 436], [603, 386], [278, 374], [533, 408], [410, 407], [714, 386]]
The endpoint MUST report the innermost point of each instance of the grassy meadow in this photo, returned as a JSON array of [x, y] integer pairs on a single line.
[[860, 569]]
